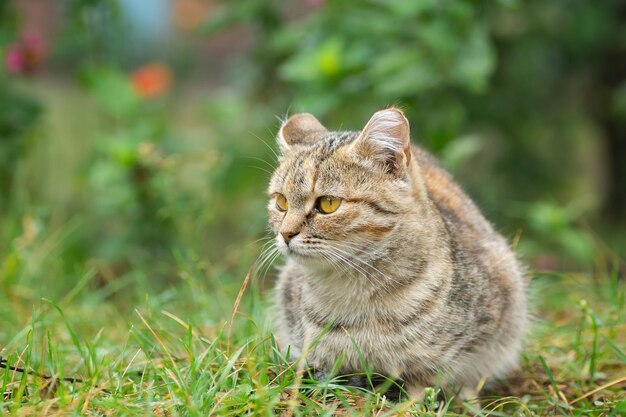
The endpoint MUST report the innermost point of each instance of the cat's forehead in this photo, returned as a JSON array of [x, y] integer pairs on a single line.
[[318, 164], [324, 146]]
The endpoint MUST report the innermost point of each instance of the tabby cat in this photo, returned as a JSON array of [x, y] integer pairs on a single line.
[[387, 258]]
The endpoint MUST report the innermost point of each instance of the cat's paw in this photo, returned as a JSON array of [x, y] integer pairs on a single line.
[[416, 392], [466, 394], [318, 374]]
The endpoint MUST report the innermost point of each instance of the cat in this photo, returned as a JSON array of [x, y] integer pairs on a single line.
[[389, 264]]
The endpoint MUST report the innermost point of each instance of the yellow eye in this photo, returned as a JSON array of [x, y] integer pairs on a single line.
[[328, 204], [281, 202]]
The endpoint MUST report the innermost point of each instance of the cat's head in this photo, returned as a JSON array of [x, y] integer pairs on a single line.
[[337, 195]]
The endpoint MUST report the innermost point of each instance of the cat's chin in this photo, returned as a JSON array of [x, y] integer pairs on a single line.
[[299, 254], [304, 257], [311, 261], [319, 266], [296, 251]]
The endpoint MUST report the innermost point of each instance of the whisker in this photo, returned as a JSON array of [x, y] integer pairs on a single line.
[[261, 239], [266, 144], [265, 259], [353, 259], [260, 169], [270, 263], [367, 275], [262, 275], [363, 248], [272, 167], [357, 258], [337, 267]]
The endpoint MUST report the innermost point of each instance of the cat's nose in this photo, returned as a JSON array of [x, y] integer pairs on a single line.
[[288, 236]]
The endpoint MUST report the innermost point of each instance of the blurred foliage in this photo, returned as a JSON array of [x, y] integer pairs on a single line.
[[342, 60], [18, 112], [93, 33], [525, 102], [125, 175], [140, 196]]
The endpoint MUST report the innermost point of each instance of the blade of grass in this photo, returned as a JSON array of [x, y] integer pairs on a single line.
[[600, 388], [559, 395], [73, 335], [244, 285], [618, 351]]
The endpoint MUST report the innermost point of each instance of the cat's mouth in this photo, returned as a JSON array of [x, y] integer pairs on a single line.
[[295, 251]]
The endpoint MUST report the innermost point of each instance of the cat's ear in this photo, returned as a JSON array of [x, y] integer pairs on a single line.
[[385, 139], [300, 129]]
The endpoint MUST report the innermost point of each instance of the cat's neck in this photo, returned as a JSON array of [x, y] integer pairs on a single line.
[[384, 274]]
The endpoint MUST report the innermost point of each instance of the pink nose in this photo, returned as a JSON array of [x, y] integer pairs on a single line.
[[288, 236]]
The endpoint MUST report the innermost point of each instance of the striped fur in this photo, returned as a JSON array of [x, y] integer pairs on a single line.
[[407, 267]]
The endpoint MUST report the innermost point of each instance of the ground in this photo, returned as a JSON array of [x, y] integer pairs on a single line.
[[196, 349]]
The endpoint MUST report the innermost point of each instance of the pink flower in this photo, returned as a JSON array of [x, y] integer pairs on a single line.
[[315, 4], [14, 61], [26, 55]]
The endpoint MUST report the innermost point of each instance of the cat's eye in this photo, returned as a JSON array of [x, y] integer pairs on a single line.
[[328, 204], [281, 202]]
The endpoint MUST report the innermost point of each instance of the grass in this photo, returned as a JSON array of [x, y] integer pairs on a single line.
[[196, 341], [188, 351]]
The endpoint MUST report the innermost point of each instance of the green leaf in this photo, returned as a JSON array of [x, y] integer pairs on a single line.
[[113, 91], [403, 71], [322, 63], [475, 61]]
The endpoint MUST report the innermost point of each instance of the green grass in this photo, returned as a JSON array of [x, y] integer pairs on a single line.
[[169, 353]]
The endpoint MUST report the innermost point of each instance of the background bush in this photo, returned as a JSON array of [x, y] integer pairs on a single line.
[[523, 101]]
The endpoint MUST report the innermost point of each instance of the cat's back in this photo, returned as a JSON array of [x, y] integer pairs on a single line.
[[450, 200], [474, 244]]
